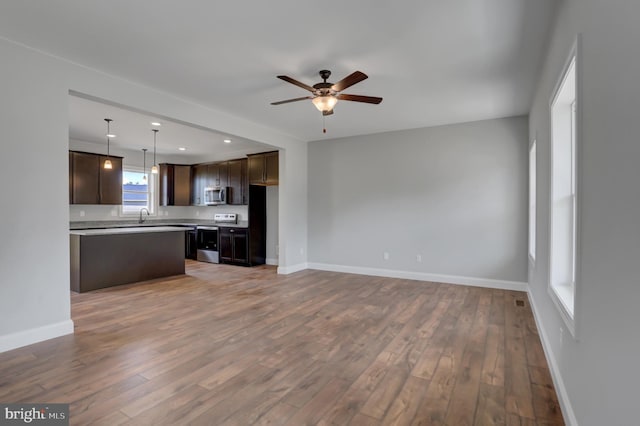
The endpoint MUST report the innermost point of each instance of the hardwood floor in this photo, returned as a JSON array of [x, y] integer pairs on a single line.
[[227, 345]]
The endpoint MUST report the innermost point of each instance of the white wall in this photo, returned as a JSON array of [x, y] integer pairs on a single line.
[[34, 254], [456, 195], [34, 215], [597, 375]]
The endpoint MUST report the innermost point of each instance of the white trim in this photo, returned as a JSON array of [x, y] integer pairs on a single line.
[[533, 202], [35, 335], [422, 276], [558, 383], [270, 261], [285, 270], [575, 57]]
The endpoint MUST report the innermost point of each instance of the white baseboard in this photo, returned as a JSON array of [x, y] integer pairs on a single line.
[[422, 276], [35, 335], [561, 390], [284, 270], [269, 261]]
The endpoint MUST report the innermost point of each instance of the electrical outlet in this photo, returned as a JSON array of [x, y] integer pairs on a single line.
[[81, 213], [197, 213], [561, 335], [385, 255], [301, 250], [166, 213], [114, 212], [418, 258]]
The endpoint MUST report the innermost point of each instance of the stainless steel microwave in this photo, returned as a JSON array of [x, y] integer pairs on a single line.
[[215, 195]]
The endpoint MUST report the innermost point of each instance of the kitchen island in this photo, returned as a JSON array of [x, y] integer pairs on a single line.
[[108, 257]]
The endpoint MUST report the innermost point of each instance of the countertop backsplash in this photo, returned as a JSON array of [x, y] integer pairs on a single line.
[[93, 213]]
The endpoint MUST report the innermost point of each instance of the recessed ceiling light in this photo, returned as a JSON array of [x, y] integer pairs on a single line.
[[182, 148], [227, 141], [155, 123], [111, 135]]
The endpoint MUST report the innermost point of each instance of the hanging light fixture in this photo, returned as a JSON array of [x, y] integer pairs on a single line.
[[154, 169], [107, 162], [144, 164]]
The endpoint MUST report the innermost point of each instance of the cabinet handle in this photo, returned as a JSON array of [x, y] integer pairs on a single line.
[[231, 230]]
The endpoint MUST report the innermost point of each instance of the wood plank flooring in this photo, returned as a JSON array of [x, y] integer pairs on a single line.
[[226, 345]]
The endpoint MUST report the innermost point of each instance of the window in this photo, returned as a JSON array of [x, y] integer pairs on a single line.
[[532, 201], [564, 185], [137, 191]]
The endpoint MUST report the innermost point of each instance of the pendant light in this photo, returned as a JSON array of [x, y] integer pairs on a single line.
[[107, 162], [144, 164], [154, 169]]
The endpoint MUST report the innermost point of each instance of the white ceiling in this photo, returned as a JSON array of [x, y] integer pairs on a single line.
[[434, 62], [133, 132]]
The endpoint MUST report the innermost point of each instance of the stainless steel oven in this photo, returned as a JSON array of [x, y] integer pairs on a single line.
[[208, 244]]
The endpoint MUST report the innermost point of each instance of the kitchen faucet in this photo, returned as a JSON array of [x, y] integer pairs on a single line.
[[141, 220]]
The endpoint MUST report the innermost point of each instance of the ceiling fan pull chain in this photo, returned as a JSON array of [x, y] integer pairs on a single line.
[[324, 128]]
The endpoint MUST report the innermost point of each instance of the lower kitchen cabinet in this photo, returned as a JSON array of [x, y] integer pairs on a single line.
[[234, 245], [191, 244]]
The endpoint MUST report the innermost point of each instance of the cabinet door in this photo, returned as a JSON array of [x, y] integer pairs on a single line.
[[225, 247], [240, 246], [198, 178], [191, 244], [213, 175], [255, 169], [236, 178], [223, 174], [111, 181], [181, 185], [271, 168], [165, 179], [85, 179]]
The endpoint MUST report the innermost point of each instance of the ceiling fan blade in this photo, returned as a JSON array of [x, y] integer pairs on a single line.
[[297, 83], [358, 98], [348, 81], [291, 100], [325, 113]]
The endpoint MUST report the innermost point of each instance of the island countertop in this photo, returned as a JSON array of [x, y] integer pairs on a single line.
[[126, 230]]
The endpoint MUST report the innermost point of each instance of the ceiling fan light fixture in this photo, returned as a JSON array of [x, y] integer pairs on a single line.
[[325, 103]]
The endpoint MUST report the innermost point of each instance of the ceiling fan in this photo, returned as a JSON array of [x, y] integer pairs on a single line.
[[325, 95]]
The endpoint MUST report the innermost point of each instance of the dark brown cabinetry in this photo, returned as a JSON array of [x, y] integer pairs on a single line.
[[231, 174], [263, 168], [238, 182], [175, 185], [198, 183], [90, 182], [191, 244], [234, 245]]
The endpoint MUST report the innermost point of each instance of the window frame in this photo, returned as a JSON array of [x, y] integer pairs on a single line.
[[569, 315], [532, 201], [152, 186]]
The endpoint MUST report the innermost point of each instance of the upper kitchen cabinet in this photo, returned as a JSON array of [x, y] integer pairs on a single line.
[[217, 175], [238, 182], [263, 168], [90, 183], [175, 185], [198, 183]]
